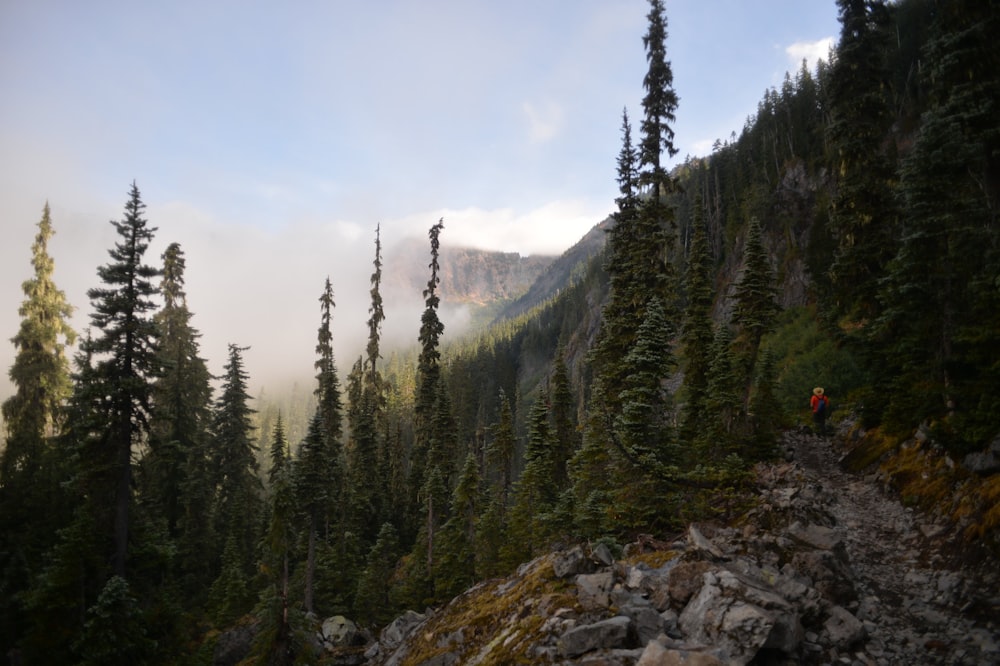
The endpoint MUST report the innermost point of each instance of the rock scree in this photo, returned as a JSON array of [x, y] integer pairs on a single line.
[[827, 568]]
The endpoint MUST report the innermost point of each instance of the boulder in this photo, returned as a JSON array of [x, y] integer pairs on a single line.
[[733, 614], [570, 562], [843, 629], [594, 590], [604, 635], [338, 631], [397, 631]]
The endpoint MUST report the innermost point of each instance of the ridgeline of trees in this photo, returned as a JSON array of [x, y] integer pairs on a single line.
[[847, 237]]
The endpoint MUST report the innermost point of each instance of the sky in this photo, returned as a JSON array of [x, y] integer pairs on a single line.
[[269, 139]]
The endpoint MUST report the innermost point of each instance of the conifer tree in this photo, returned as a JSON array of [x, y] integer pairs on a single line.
[[766, 410], [40, 371], [311, 486], [656, 224], [114, 631], [940, 322], [182, 396], [724, 402], [428, 376], [126, 364], [31, 459], [366, 417], [456, 556], [502, 449], [562, 412], [534, 494], [864, 218], [375, 605], [329, 405], [755, 305], [235, 468], [274, 643], [697, 334]]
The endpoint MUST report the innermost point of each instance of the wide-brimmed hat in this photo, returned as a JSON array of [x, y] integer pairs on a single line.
[[818, 390]]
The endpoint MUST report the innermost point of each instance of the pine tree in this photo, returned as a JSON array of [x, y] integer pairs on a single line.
[[562, 412], [656, 224], [126, 356], [31, 459], [534, 493], [755, 305], [330, 407], [237, 485], [40, 371], [940, 322], [720, 434], [766, 410], [311, 485], [182, 396], [643, 424], [501, 451], [864, 217], [428, 377], [114, 632], [374, 604], [366, 419], [274, 643], [456, 556], [697, 332]]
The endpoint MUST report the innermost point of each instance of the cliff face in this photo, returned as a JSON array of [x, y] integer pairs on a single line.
[[468, 276]]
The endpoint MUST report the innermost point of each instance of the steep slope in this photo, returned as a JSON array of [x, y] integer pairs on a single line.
[[561, 272], [826, 568]]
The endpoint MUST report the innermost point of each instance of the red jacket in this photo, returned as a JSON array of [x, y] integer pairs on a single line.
[[814, 402]]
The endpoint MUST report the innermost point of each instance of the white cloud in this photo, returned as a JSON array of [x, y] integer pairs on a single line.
[[809, 51], [545, 120]]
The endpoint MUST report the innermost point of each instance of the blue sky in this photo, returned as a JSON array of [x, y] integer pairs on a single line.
[[269, 138]]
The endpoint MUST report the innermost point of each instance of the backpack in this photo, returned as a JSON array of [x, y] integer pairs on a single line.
[[821, 405]]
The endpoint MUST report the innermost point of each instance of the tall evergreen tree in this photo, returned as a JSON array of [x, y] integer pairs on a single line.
[[755, 302], [940, 322], [40, 372], [563, 414], [456, 558], [428, 374], [330, 407], [30, 462], [311, 486], [864, 218], [238, 487], [697, 334], [182, 396], [127, 363]]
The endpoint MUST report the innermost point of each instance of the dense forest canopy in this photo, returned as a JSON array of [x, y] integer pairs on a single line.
[[847, 237]]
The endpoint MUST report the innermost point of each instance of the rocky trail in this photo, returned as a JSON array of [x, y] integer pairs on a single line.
[[827, 567], [921, 600]]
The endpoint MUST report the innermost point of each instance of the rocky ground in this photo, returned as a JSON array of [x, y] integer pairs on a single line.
[[827, 568], [924, 596]]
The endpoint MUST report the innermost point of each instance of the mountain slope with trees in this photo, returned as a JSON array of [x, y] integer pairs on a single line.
[[847, 238]]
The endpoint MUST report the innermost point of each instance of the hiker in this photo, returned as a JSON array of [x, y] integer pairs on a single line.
[[820, 406]]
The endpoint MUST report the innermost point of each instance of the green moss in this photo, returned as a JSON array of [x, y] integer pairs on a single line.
[[496, 618], [872, 448]]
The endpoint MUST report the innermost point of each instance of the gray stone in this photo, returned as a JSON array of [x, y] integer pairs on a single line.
[[817, 536], [656, 654], [338, 631], [397, 631], [606, 634], [570, 563], [602, 553], [702, 544], [982, 462], [843, 629], [594, 590], [740, 618]]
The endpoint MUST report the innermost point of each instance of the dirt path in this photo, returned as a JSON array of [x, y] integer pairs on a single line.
[[917, 608]]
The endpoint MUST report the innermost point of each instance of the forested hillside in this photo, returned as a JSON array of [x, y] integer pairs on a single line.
[[847, 238]]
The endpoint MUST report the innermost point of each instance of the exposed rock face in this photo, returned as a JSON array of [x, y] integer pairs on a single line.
[[826, 570]]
